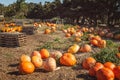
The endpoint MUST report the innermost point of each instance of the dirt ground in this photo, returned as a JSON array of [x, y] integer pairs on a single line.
[[9, 60]]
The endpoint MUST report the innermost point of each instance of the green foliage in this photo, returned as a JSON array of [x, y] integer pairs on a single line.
[[107, 54], [56, 44], [111, 44]]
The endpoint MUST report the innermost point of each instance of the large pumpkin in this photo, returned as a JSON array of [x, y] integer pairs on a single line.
[[95, 68], [105, 74], [68, 59], [49, 64], [116, 71], [88, 63], [26, 67]]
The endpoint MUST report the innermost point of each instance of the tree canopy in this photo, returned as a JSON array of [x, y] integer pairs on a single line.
[[107, 11]]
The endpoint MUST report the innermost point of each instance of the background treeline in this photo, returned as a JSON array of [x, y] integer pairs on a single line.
[[73, 11]]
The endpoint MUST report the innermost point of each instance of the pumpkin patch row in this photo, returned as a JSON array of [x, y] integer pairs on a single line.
[[45, 60], [105, 71]]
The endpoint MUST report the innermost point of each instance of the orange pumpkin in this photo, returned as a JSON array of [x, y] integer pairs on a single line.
[[37, 61], [68, 35], [25, 58], [96, 38], [85, 48], [109, 65], [44, 53], [94, 42], [95, 68], [68, 59], [49, 64], [26, 68], [47, 31], [77, 39], [116, 71], [88, 63], [102, 33], [102, 43], [35, 53], [105, 74]]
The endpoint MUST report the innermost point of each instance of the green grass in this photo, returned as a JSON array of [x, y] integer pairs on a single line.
[[107, 54]]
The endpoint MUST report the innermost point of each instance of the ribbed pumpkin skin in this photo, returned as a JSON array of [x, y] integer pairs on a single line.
[[26, 68], [95, 68], [105, 74], [109, 65], [116, 71], [88, 63], [49, 64], [68, 59]]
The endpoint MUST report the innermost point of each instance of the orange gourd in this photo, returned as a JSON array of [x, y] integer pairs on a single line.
[[26, 68], [25, 58], [102, 43], [36, 53], [116, 71], [85, 48], [94, 42], [68, 59], [109, 65], [105, 74], [37, 61], [88, 63], [95, 68], [44, 53]]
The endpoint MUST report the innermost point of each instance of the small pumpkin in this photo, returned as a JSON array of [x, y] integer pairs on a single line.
[[26, 67], [102, 43], [77, 39], [47, 31], [88, 63], [105, 74], [49, 64], [44, 53], [109, 65], [116, 71], [95, 68], [36, 53], [96, 38], [73, 49], [94, 42], [85, 48], [68, 59], [25, 58], [68, 35], [37, 61]]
